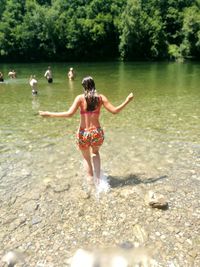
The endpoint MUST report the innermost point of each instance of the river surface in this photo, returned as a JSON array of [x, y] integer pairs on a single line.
[[157, 135]]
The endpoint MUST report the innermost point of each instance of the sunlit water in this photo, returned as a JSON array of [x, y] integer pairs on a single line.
[[156, 135]]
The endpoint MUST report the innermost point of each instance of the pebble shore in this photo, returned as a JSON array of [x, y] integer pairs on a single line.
[[50, 221]]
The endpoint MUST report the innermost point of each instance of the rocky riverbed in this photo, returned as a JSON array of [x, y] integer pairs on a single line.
[[49, 221]]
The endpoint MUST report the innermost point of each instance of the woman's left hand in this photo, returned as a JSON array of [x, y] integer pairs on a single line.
[[130, 97]]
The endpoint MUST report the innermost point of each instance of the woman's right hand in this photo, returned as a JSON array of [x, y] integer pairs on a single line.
[[44, 113]]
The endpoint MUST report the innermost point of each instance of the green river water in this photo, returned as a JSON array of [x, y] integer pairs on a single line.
[[158, 134]]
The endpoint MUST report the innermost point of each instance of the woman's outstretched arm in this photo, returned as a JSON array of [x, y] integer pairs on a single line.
[[67, 114], [117, 109]]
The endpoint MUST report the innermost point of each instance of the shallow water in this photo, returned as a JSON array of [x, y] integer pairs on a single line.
[[157, 135]]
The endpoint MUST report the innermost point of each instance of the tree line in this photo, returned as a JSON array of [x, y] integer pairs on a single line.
[[33, 30]]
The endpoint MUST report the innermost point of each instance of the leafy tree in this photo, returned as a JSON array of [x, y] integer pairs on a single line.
[[90, 30], [191, 31], [178, 44], [12, 17], [142, 31], [2, 8], [99, 29], [37, 35]]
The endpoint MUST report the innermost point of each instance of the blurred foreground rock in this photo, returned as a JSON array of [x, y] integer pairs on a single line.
[[113, 257], [11, 258]]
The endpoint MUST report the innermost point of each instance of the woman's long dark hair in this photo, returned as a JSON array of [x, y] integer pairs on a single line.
[[90, 93]]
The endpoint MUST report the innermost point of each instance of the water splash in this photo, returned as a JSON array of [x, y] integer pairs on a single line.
[[99, 185], [102, 186]]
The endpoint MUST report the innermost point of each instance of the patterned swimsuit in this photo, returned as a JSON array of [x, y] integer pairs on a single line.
[[90, 137], [93, 136]]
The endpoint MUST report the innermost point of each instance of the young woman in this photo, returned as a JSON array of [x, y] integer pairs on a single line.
[[90, 135]]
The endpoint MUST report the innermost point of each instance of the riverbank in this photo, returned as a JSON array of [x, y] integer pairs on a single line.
[[50, 221]]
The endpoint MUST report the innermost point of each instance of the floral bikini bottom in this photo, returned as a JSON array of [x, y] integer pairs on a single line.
[[89, 137]]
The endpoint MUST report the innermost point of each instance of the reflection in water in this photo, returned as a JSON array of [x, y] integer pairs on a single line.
[[35, 103], [71, 85]]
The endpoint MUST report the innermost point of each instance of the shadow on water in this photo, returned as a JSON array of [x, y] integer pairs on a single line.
[[132, 179]]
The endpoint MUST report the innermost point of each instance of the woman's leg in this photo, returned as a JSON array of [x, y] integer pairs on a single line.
[[88, 164], [96, 162]]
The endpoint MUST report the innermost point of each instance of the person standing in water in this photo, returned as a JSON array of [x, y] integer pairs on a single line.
[[71, 74], [1, 77], [12, 74], [48, 75], [33, 83], [90, 135]]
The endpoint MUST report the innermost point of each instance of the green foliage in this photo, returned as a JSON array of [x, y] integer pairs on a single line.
[[99, 29], [142, 31], [89, 30], [2, 8], [11, 18], [191, 31], [37, 32]]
